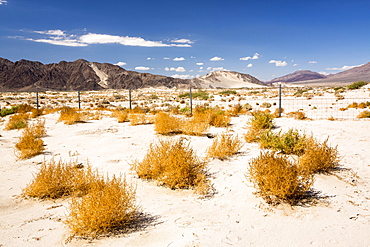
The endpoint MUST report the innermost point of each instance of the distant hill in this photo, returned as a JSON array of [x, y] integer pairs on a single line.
[[300, 75], [359, 73], [27, 75], [227, 79]]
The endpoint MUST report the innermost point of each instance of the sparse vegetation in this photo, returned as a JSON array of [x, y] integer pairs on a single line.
[[277, 179], [17, 121], [364, 114], [29, 143], [290, 142], [59, 179], [172, 163], [259, 123], [120, 115], [70, 115], [318, 157], [357, 85], [224, 145], [109, 206], [200, 95]]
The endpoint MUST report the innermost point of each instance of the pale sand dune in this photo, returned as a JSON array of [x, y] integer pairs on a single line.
[[234, 216]]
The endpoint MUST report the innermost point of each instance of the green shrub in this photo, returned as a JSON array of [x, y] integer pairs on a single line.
[[8, 111], [290, 142], [261, 120], [357, 85], [228, 92], [200, 94]]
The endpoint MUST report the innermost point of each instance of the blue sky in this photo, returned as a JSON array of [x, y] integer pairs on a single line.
[[191, 38]]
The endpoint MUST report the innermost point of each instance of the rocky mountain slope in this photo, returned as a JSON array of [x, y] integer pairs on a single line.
[[27, 75], [300, 75], [227, 79]]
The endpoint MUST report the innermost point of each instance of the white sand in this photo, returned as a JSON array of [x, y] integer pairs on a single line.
[[234, 216]]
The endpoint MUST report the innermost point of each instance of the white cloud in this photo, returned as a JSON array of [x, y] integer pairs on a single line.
[[279, 63], [182, 76], [149, 58], [52, 32], [345, 67], [166, 58], [255, 56], [200, 64], [187, 41], [142, 68], [249, 65], [178, 69], [178, 59], [216, 69], [64, 42], [324, 73], [216, 59], [120, 63], [295, 64], [201, 68], [50, 36], [312, 62], [3, 2]]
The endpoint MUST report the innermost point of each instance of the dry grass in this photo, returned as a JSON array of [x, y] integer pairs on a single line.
[[109, 206], [70, 116], [59, 179], [29, 143], [141, 118], [194, 126], [364, 114], [277, 179], [224, 145], [318, 157], [172, 163], [120, 115], [17, 121], [166, 124], [298, 115], [258, 124]]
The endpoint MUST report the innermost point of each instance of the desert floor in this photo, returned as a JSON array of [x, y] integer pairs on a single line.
[[233, 216]]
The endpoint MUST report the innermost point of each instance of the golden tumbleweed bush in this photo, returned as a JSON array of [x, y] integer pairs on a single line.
[[224, 145], [58, 179], [17, 121], [29, 143], [70, 116], [319, 157], [172, 163], [277, 179], [166, 124], [109, 206]]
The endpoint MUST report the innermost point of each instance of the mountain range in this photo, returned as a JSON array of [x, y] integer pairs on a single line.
[[25, 75], [307, 77]]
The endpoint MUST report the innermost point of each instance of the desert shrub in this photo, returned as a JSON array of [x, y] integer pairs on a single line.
[[219, 118], [357, 85], [277, 179], [166, 124], [120, 115], [137, 110], [353, 105], [227, 92], [8, 111], [248, 107], [276, 112], [224, 145], [266, 105], [17, 121], [109, 206], [194, 126], [299, 115], [261, 120], [318, 157], [59, 179], [24, 108], [236, 110], [29, 144], [172, 163], [290, 142], [200, 95], [364, 114], [35, 112], [38, 128], [140, 118], [69, 115]]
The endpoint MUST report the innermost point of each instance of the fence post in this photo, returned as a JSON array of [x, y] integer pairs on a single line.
[[129, 98], [79, 99], [191, 102], [280, 109], [37, 99]]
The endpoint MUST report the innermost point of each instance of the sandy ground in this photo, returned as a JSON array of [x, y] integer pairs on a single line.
[[234, 216]]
